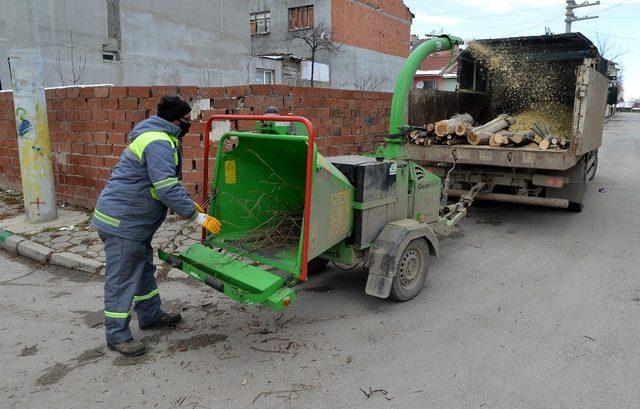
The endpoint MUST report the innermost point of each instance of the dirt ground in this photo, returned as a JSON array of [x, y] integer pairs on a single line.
[[527, 308]]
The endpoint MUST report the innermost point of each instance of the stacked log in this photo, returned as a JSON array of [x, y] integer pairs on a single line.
[[499, 132], [480, 135], [454, 125]]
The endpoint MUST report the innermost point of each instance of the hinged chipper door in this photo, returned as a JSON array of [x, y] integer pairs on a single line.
[[262, 192]]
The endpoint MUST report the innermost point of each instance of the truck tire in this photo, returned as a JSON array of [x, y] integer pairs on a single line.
[[317, 265], [578, 206], [592, 166], [411, 271]]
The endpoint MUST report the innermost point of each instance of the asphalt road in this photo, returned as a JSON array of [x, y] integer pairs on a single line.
[[526, 308]]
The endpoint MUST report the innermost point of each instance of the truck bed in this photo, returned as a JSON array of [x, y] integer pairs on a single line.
[[528, 156]]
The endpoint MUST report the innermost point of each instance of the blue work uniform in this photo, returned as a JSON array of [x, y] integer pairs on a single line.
[[129, 211]]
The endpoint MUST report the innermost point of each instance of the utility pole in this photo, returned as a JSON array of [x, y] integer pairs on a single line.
[[30, 108], [570, 17]]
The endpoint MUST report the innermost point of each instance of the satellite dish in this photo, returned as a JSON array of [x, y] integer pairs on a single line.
[[420, 84]]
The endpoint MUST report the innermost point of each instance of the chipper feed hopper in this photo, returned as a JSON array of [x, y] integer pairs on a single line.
[[286, 209]]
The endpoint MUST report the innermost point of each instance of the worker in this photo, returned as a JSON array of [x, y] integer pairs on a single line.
[[132, 206]]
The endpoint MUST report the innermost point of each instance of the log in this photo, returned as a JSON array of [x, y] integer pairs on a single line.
[[520, 138], [480, 135], [492, 141], [463, 129], [456, 140], [429, 127], [448, 126], [545, 143], [502, 137]]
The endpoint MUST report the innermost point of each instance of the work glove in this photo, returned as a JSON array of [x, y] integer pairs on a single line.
[[210, 223], [199, 208]]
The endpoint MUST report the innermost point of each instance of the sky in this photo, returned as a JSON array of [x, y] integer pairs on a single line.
[[618, 25]]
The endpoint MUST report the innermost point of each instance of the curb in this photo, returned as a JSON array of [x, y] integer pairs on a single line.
[[43, 254]]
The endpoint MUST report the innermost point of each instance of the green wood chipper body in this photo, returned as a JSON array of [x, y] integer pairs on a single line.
[[282, 204]]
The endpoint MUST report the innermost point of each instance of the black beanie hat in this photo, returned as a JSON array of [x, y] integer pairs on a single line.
[[172, 107]]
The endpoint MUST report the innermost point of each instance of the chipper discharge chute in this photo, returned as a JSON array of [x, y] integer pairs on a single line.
[[284, 207], [280, 203]]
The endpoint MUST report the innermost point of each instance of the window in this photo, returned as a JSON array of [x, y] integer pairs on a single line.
[[260, 22], [300, 18], [264, 76], [427, 84]]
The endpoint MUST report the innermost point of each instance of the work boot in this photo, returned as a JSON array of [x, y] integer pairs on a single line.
[[167, 320], [128, 348]]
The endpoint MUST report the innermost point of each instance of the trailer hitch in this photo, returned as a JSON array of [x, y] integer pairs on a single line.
[[455, 212]]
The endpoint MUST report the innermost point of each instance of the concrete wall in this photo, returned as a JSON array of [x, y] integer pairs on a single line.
[[163, 41], [355, 66]]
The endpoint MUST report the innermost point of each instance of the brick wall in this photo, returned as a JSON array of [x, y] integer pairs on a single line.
[[379, 25], [89, 127]]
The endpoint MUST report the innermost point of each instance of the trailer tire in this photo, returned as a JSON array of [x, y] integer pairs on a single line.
[[411, 271]]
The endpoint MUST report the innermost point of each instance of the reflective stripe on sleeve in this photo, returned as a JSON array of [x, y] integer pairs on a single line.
[[145, 297], [165, 183]]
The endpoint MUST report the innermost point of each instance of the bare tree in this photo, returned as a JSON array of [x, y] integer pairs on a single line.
[[315, 39], [369, 82], [610, 49], [78, 69]]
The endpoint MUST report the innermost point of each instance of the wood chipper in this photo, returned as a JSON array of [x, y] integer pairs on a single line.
[[286, 209]]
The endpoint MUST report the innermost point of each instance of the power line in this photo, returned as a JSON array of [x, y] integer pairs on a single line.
[[611, 35]]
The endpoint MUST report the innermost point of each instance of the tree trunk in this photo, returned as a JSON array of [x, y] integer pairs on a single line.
[[480, 135], [448, 126], [313, 64]]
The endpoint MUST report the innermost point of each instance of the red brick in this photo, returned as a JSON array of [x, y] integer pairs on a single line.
[[99, 115], [261, 89], [111, 161], [115, 138], [104, 149], [128, 103], [100, 137], [188, 91], [117, 92], [109, 103], [122, 126], [160, 91], [238, 91], [139, 92], [84, 115], [117, 149], [89, 149], [100, 92], [135, 116], [116, 115], [73, 92], [225, 103], [212, 92], [104, 126]]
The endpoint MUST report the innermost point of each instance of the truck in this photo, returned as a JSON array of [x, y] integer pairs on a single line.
[[526, 174]]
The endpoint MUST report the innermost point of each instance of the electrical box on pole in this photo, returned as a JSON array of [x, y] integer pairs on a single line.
[[30, 109], [570, 16]]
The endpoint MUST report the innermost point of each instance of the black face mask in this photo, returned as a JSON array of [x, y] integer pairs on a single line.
[[184, 127]]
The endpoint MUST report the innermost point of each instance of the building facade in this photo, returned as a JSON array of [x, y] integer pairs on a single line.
[[217, 42], [373, 37], [139, 42]]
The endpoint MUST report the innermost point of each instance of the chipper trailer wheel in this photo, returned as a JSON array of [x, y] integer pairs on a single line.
[[411, 271]]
